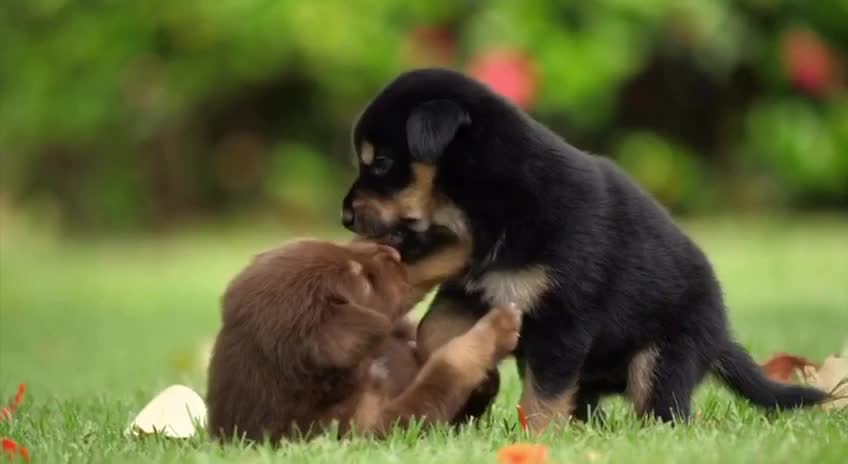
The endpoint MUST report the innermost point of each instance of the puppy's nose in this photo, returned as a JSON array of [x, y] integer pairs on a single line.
[[347, 218]]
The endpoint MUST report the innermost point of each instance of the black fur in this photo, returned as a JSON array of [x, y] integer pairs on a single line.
[[626, 278]]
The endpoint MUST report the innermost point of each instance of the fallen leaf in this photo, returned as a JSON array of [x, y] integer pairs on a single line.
[[175, 413], [831, 377], [782, 366], [523, 453]]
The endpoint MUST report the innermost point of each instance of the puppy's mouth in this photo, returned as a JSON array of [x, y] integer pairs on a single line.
[[393, 238], [414, 245]]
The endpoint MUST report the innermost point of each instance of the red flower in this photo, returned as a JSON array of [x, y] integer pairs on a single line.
[[12, 450], [6, 412], [809, 62], [508, 72], [432, 45]]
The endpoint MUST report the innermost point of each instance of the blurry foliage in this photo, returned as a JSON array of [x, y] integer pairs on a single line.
[[670, 171], [805, 147], [127, 114]]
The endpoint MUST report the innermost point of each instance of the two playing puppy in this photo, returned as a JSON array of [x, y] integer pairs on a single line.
[[316, 332], [479, 199]]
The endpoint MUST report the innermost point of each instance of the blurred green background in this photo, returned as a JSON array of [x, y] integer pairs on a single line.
[[136, 116]]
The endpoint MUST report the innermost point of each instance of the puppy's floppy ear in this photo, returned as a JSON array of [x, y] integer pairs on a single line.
[[431, 127], [351, 332]]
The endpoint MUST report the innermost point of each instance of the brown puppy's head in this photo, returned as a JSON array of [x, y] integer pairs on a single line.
[[401, 140], [290, 294]]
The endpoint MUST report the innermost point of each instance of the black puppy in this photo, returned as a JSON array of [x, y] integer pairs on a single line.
[[617, 298]]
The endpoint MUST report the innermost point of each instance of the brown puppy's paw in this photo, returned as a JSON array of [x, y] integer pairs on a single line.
[[504, 326]]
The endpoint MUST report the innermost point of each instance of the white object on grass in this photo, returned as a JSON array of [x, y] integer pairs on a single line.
[[176, 412]]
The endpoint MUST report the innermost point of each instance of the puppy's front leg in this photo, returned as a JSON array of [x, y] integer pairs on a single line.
[[551, 359], [453, 313], [446, 380]]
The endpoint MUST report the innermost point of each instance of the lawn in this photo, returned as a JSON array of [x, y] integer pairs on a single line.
[[96, 328]]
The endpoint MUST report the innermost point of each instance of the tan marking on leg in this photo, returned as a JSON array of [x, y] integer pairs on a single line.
[[479, 350], [544, 412], [640, 378], [366, 153], [442, 323], [523, 287]]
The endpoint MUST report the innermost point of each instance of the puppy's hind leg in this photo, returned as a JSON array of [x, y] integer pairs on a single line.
[[551, 357], [662, 379], [587, 404]]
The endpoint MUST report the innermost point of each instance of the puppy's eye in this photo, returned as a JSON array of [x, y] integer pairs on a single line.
[[381, 165]]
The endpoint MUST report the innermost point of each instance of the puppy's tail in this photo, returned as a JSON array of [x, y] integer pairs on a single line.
[[739, 372]]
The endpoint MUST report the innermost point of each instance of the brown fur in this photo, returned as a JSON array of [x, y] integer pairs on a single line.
[[314, 333]]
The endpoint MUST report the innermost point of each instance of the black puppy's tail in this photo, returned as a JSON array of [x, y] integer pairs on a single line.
[[739, 372]]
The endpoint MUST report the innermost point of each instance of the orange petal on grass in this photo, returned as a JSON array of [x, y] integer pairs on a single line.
[[522, 418], [523, 453]]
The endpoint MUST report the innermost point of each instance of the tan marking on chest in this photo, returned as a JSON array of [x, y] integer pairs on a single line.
[[524, 287]]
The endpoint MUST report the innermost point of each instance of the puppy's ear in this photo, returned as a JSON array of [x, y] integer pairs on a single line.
[[350, 334], [431, 127]]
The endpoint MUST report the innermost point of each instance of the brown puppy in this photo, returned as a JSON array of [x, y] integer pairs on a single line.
[[314, 333]]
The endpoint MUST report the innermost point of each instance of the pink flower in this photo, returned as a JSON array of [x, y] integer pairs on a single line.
[[809, 62], [509, 72]]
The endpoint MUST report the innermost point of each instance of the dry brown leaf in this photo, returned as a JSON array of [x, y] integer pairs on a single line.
[[781, 367], [831, 377]]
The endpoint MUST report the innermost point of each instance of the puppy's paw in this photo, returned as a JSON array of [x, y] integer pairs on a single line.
[[504, 323]]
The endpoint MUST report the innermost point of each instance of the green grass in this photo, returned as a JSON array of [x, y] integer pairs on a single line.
[[96, 329]]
